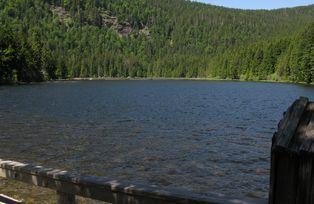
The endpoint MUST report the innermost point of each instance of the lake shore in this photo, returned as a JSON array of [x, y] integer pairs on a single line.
[[178, 79], [154, 79]]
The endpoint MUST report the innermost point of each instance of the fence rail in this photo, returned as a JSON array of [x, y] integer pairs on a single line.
[[68, 185]]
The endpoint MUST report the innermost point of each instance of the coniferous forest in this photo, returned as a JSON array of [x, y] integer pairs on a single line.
[[59, 39]]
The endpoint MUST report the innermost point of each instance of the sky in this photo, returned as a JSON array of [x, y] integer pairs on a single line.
[[258, 4]]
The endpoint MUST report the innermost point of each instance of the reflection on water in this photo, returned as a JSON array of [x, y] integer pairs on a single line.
[[196, 135]]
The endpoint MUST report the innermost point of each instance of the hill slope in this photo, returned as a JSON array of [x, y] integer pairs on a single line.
[[153, 38]]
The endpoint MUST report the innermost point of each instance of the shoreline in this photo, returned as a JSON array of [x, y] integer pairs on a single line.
[[153, 79], [176, 79]]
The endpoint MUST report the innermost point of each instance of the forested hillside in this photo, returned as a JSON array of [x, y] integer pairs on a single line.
[[58, 39]]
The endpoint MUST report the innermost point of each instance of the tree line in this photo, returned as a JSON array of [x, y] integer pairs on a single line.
[[59, 39]]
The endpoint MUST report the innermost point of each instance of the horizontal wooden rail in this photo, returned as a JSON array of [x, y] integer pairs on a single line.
[[6, 199], [69, 184]]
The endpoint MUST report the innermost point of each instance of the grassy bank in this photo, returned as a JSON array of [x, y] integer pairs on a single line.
[[33, 194]]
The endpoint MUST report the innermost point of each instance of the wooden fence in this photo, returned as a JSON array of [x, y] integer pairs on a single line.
[[67, 185]]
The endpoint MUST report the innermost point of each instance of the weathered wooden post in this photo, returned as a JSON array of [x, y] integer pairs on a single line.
[[65, 198], [292, 156]]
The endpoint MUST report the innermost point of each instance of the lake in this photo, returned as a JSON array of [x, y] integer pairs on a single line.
[[200, 136]]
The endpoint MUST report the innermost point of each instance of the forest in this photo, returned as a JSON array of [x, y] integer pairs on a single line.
[[64, 39]]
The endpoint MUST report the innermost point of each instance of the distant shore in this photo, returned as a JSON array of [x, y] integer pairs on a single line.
[[176, 78], [156, 79]]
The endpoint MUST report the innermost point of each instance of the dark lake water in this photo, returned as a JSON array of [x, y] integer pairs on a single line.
[[201, 136]]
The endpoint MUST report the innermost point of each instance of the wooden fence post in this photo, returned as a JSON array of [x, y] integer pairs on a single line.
[[292, 156], [65, 198]]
